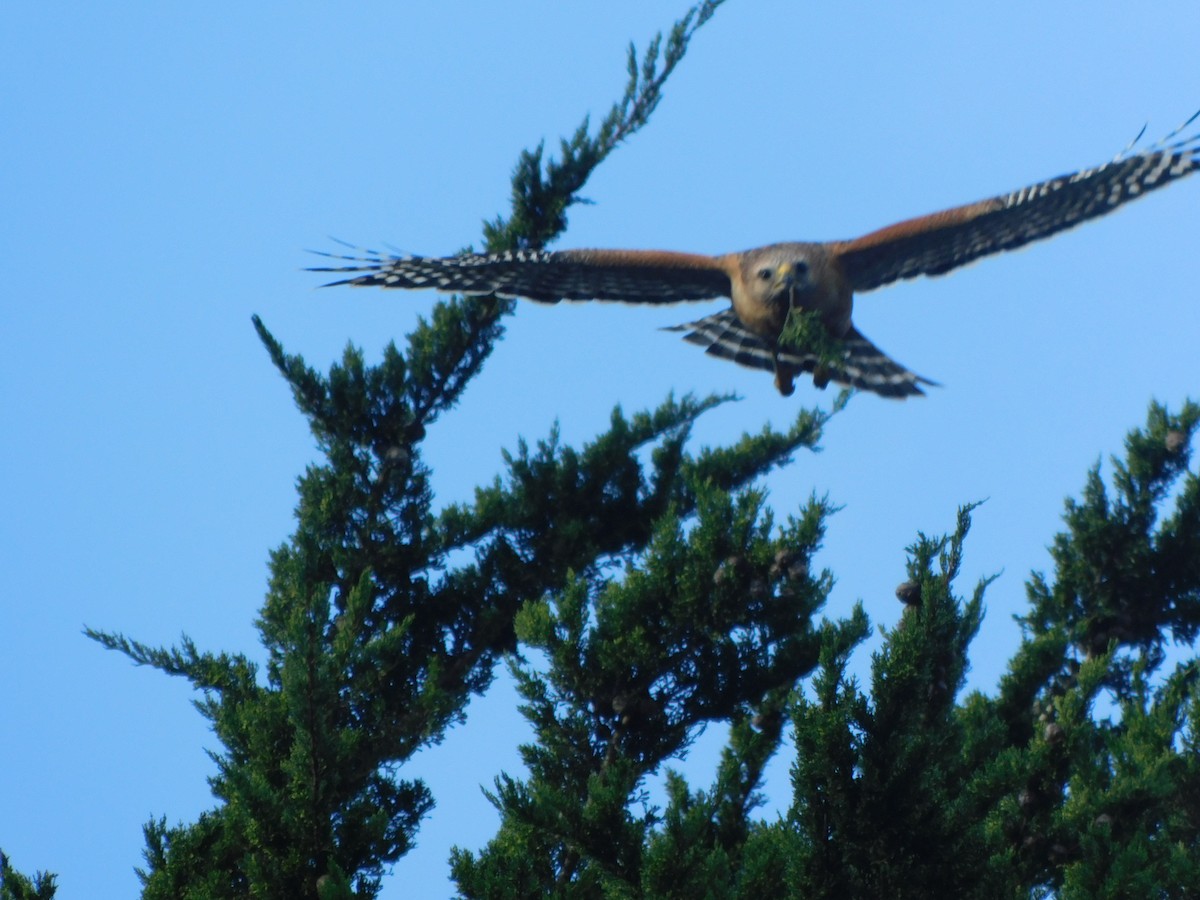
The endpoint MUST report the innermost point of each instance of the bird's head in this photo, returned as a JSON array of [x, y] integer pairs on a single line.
[[778, 274]]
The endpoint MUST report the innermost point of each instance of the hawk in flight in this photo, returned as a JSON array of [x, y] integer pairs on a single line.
[[767, 283]]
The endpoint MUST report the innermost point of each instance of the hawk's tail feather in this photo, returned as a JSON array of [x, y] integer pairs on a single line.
[[865, 366], [724, 337]]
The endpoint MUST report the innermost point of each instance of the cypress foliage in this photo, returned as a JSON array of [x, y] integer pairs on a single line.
[[1079, 778], [711, 625], [376, 634], [15, 886]]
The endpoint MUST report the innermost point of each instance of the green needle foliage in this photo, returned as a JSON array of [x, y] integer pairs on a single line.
[[15, 886], [711, 625], [804, 333], [1080, 778], [542, 193], [640, 591]]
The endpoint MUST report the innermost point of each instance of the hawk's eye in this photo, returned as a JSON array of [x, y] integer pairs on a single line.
[[766, 274], [800, 267]]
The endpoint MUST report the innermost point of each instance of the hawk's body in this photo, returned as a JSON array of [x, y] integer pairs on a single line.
[[766, 283]]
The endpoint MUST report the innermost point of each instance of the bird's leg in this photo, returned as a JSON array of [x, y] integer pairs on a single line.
[[785, 377], [820, 375]]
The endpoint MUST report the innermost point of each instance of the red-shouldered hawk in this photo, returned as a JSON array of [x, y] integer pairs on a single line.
[[766, 283]]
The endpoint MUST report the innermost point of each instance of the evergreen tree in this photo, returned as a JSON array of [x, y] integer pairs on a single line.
[[376, 634], [903, 790], [641, 591], [15, 886]]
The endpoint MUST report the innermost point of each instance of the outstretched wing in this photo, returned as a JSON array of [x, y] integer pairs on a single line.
[[631, 276], [937, 243], [865, 365]]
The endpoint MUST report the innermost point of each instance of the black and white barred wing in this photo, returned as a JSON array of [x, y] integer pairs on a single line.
[[937, 243], [630, 276], [865, 366]]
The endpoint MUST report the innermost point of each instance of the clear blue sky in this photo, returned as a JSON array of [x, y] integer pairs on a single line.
[[165, 165]]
